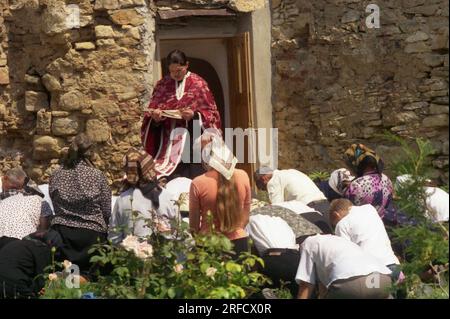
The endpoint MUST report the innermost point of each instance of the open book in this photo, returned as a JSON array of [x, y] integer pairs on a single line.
[[173, 114]]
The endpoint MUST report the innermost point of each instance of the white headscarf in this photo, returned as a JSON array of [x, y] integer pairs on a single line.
[[218, 156], [337, 179]]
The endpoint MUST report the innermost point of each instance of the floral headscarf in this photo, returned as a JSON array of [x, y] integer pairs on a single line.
[[358, 152]]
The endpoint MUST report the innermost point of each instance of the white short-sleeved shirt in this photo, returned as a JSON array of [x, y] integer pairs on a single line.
[[327, 258], [290, 184], [437, 203], [270, 232], [179, 185], [364, 227], [20, 215], [122, 222]]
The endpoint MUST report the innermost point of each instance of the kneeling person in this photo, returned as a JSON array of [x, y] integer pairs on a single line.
[[342, 269]]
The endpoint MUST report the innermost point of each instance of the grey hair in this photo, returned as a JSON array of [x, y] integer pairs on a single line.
[[16, 176]]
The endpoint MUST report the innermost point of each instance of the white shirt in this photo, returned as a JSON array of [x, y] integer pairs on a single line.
[[290, 184], [179, 186], [437, 204], [327, 258], [19, 215], [436, 201], [364, 227], [270, 232], [123, 222]]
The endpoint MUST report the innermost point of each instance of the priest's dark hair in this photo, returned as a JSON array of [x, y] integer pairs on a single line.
[[176, 57]]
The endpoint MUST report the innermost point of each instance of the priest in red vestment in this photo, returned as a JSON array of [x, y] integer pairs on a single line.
[[181, 99]]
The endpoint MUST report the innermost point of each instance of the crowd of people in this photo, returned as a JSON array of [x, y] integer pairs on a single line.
[[342, 251]]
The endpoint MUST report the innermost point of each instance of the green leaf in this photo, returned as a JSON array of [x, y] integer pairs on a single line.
[[171, 292]]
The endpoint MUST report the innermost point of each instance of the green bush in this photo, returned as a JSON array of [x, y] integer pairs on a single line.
[[425, 242], [180, 267]]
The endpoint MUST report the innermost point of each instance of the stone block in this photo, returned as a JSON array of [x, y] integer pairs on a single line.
[[438, 109], [127, 16], [84, 46], [63, 126], [73, 101], [104, 31], [418, 47], [440, 120], [44, 123], [51, 83], [417, 37], [4, 76], [106, 5], [35, 101], [98, 131], [47, 147]]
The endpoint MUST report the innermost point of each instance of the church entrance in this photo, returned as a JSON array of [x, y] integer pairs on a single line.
[[222, 51]]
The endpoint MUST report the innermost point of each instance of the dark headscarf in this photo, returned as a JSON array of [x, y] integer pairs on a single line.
[[358, 155], [140, 173], [79, 151]]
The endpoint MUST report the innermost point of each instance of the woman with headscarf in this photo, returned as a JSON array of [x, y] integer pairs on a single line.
[[371, 186], [82, 201], [141, 196], [224, 191]]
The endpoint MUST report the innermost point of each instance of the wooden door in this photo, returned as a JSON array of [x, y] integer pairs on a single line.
[[241, 108]]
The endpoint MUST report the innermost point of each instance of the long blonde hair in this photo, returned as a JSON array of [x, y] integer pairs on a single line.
[[228, 209]]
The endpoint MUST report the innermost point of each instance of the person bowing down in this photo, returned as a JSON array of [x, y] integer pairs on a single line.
[[181, 99]]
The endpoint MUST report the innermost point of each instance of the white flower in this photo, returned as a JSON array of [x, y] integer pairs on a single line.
[[178, 268], [67, 264], [211, 271], [144, 250], [130, 243], [52, 277]]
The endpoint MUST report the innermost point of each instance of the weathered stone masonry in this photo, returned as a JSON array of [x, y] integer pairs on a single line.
[[61, 81], [335, 82]]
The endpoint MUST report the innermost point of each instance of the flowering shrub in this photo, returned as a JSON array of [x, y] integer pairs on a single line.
[[169, 265], [63, 284]]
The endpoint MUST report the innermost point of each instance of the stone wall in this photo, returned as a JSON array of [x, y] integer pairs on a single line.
[[337, 82], [60, 76], [95, 78]]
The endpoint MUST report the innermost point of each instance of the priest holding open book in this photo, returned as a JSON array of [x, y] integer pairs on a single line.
[[181, 99]]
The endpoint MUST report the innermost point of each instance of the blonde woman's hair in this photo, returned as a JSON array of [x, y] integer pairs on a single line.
[[228, 209]]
